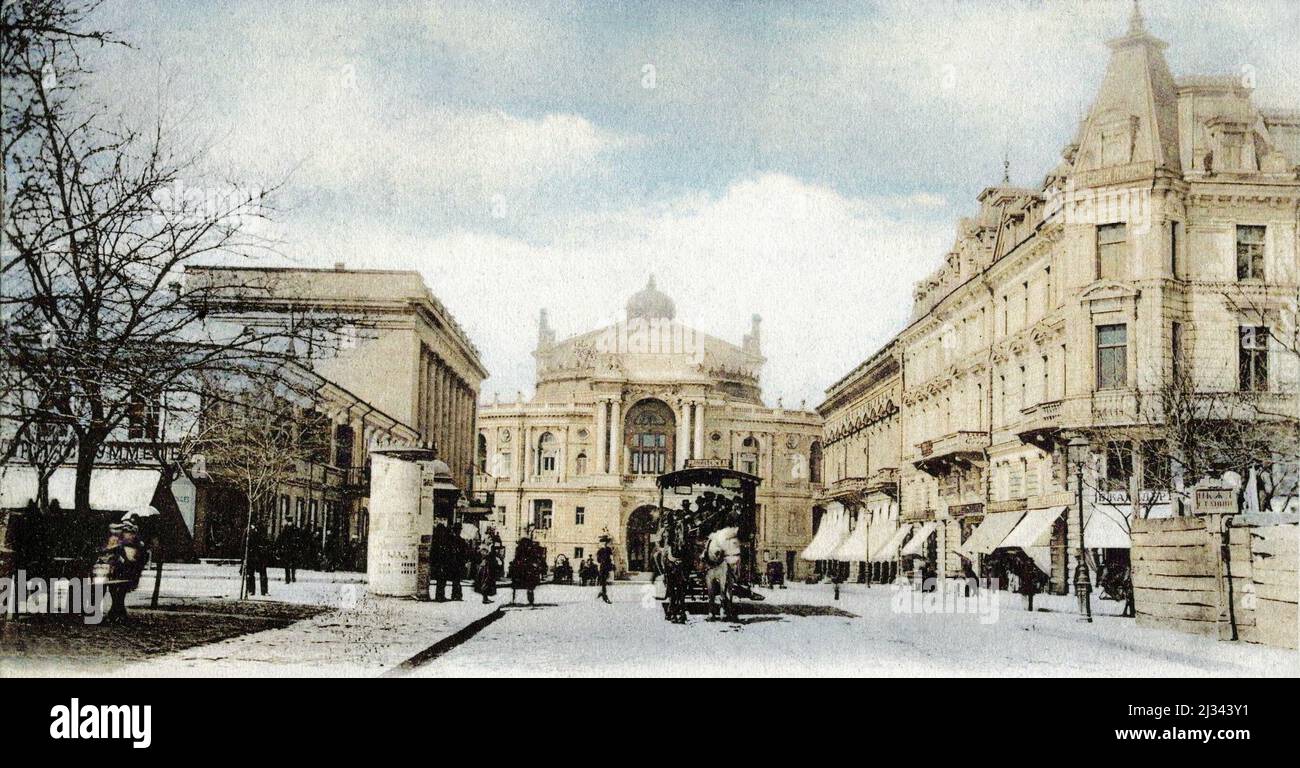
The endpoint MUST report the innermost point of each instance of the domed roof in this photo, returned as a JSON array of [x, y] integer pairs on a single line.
[[651, 304]]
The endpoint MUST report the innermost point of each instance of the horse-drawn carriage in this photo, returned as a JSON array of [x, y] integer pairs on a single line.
[[705, 545]]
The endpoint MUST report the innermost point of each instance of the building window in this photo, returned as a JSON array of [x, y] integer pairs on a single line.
[[480, 457], [1176, 349], [344, 438], [1119, 465], [1250, 253], [284, 508], [1112, 356], [580, 516], [578, 553], [748, 459], [1174, 237], [542, 510], [503, 464], [1253, 358], [648, 432], [142, 419], [580, 464], [300, 508], [649, 453], [815, 462], [1156, 465], [547, 450], [1112, 252]]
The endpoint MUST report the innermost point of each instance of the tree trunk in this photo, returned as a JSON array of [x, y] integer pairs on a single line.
[[248, 530], [87, 447]]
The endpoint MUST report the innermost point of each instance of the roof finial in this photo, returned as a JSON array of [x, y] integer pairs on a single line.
[[1006, 169], [651, 284], [1136, 24]]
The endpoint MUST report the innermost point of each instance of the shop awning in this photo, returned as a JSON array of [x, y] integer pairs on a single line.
[[1034, 529], [888, 551], [111, 488], [830, 534], [882, 527], [917, 542], [989, 534], [854, 548], [1106, 528]]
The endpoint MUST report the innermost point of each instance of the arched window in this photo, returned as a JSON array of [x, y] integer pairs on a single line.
[[648, 437], [815, 462], [580, 464], [480, 458], [547, 451]]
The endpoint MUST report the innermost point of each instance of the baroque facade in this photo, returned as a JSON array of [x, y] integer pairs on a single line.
[[616, 407], [1162, 248]]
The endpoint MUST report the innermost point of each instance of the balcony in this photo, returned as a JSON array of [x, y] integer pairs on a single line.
[[356, 480], [961, 449], [847, 489], [1040, 424]]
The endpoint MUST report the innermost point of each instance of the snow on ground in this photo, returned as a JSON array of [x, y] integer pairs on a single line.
[[365, 636], [804, 631], [871, 631]]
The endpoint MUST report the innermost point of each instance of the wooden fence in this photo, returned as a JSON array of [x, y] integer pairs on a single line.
[[1232, 577]]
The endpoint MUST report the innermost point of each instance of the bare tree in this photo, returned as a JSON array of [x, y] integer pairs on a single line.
[[102, 220], [251, 434], [1183, 436]]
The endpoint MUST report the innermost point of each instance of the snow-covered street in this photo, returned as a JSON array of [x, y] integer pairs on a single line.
[[328, 625], [804, 631]]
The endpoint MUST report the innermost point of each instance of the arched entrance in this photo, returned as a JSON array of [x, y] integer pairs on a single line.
[[640, 545]]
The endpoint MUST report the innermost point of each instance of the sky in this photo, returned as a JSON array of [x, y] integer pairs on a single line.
[[807, 162]]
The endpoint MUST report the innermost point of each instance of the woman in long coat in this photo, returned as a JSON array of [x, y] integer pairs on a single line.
[[122, 560], [485, 580], [526, 569]]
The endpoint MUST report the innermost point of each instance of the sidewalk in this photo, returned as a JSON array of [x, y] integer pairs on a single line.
[[361, 636]]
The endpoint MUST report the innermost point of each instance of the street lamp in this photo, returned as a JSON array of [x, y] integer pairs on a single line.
[[1077, 453]]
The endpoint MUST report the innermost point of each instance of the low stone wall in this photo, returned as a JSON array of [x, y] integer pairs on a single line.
[[1224, 576]]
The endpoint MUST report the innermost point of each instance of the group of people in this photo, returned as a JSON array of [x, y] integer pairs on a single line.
[[294, 548]]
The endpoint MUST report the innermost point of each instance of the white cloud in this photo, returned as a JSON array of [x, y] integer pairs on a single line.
[[831, 275]]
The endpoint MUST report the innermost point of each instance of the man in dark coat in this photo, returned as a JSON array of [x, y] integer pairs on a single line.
[[605, 567], [286, 548], [259, 557], [448, 560]]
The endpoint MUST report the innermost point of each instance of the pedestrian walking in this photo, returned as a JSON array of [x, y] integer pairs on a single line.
[[604, 567], [527, 569], [256, 561], [287, 545], [485, 582]]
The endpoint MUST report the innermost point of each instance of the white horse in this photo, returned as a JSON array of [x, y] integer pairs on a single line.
[[721, 554]]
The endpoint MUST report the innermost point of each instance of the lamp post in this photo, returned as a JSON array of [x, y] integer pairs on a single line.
[[1077, 452]]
